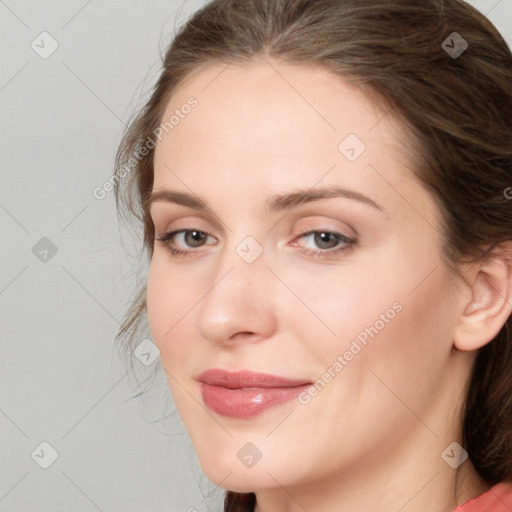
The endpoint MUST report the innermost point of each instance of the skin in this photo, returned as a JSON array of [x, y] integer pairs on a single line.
[[373, 437]]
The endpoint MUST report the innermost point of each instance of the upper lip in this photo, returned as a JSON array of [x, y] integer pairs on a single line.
[[247, 379]]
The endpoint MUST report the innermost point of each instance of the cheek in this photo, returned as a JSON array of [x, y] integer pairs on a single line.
[[380, 368], [394, 320], [169, 300], [336, 307], [405, 350], [156, 303]]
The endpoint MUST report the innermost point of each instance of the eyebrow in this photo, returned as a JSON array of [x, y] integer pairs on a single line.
[[273, 204]]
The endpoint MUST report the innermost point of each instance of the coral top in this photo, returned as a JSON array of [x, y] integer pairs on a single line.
[[496, 499]]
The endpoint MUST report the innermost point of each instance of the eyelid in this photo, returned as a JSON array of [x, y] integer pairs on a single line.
[[174, 221], [321, 223]]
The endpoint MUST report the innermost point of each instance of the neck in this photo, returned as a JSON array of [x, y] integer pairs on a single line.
[[411, 481]]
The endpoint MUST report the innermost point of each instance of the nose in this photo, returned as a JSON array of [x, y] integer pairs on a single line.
[[239, 306]]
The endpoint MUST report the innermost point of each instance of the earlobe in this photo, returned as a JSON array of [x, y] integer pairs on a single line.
[[490, 304]]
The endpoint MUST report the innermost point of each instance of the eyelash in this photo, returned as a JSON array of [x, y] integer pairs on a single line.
[[166, 238]]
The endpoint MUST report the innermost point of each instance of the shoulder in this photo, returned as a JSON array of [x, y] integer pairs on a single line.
[[497, 499]]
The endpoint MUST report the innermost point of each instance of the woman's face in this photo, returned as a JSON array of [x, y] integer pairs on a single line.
[[345, 291]]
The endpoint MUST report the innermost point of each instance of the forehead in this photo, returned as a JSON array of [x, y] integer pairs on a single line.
[[270, 126], [257, 102]]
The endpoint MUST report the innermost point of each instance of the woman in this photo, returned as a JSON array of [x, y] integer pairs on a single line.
[[323, 187]]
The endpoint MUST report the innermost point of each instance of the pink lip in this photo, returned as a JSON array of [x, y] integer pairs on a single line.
[[243, 394]]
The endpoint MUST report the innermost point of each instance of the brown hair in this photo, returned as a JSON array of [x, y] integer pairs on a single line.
[[458, 112]]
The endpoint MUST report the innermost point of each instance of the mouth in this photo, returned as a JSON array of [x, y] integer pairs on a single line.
[[244, 394]]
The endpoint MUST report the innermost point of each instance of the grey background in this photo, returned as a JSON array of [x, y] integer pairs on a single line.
[[60, 379]]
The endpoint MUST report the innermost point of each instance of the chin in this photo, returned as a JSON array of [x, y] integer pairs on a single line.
[[229, 472], [240, 481]]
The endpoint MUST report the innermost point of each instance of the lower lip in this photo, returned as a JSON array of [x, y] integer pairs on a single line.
[[246, 403]]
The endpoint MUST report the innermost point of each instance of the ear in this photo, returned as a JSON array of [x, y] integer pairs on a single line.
[[490, 303]]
